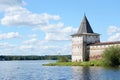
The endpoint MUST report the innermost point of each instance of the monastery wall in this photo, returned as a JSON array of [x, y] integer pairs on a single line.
[[96, 51]]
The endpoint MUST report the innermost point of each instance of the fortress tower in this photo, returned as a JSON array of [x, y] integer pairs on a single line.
[[81, 39]]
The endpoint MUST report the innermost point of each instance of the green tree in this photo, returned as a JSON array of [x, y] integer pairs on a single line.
[[111, 56], [63, 59]]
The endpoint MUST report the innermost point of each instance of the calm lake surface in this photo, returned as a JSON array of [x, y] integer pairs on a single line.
[[33, 70]]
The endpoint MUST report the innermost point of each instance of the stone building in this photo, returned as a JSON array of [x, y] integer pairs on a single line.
[[86, 44]]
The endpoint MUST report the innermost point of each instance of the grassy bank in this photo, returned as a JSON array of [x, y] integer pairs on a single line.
[[87, 63]]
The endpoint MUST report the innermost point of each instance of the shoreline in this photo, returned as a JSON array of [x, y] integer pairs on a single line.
[[86, 63]]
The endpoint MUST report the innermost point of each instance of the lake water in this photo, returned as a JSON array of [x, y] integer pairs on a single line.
[[33, 70]]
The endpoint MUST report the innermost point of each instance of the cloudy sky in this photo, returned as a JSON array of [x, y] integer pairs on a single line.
[[43, 27]]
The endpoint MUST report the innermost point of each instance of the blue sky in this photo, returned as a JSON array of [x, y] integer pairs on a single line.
[[43, 27]]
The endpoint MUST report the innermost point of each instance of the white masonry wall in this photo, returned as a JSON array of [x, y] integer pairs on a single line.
[[96, 51], [77, 48]]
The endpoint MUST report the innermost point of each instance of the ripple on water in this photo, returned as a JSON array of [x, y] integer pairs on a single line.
[[33, 70]]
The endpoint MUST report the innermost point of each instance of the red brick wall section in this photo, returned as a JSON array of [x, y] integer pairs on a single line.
[[96, 57]]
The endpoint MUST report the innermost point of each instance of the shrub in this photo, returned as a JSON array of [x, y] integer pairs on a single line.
[[63, 59], [111, 56]]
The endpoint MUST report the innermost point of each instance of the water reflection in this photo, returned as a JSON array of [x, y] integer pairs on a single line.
[[95, 73], [81, 73]]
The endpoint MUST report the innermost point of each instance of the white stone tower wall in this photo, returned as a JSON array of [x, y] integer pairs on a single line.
[[77, 48]]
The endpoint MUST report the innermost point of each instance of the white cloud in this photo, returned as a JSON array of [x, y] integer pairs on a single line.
[[45, 47], [56, 36], [5, 45], [113, 29], [59, 27], [19, 16], [58, 32], [25, 47], [7, 48], [32, 35], [42, 48], [52, 27], [4, 4], [14, 14], [114, 37], [66, 49], [31, 41], [55, 49], [10, 49], [9, 35], [114, 33]]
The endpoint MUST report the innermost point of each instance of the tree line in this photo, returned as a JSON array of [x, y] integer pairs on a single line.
[[32, 57]]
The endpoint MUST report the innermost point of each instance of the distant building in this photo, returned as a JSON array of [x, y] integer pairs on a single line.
[[86, 44]]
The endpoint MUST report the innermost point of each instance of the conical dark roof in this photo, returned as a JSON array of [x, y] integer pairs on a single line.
[[85, 26]]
